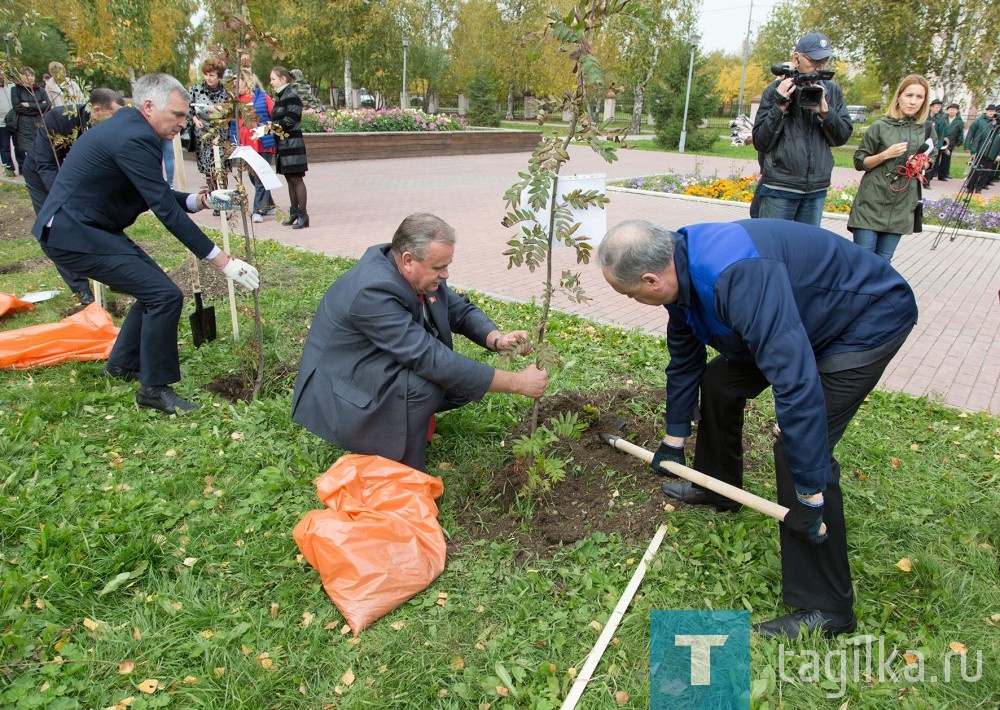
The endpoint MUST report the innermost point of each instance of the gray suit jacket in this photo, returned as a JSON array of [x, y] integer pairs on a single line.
[[366, 338], [112, 175]]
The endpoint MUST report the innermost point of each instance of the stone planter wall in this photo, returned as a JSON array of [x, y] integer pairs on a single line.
[[328, 147]]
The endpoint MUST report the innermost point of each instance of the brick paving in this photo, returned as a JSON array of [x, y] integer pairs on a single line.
[[952, 356]]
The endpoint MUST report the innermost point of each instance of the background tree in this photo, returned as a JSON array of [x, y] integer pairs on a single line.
[[728, 71], [668, 92]]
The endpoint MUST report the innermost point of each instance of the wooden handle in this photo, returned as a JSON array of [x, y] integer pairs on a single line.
[[762, 505]]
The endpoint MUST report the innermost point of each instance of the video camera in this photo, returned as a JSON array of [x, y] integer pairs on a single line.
[[809, 96]]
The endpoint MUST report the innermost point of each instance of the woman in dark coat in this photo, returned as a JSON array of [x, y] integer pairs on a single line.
[[291, 157], [30, 102]]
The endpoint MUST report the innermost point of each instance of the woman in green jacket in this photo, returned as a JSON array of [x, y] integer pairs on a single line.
[[883, 210]]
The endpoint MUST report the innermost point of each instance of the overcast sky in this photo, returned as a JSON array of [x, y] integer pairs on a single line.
[[723, 23]]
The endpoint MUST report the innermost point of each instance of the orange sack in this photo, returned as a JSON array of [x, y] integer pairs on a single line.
[[10, 303], [378, 542], [87, 335]]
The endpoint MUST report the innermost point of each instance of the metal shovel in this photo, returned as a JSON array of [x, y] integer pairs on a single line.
[[203, 319]]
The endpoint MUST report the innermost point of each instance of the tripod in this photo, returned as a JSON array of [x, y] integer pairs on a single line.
[[981, 167]]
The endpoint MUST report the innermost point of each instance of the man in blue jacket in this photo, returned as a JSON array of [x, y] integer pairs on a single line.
[[789, 306]]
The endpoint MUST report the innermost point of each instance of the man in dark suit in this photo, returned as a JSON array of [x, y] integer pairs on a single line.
[[63, 125], [113, 174], [378, 362]]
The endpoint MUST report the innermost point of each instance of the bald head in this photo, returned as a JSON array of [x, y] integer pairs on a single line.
[[633, 248]]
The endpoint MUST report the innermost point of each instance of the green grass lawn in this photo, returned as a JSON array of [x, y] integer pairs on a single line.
[[150, 558]]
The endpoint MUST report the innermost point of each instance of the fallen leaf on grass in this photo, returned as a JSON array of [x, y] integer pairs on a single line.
[[348, 677], [190, 561], [502, 691], [189, 679], [621, 697], [307, 618], [905, 564], [91, 624], [457, 663], [910, 659], [126, 667], [149, 686], [442, 598], [265, 660], [894, 462], [122, 704], [345, 629], [397, 625], [218, 671], [596, 625], [995, 618], [958, 648]]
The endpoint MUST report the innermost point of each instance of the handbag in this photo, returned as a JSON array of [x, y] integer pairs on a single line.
[[918, 217], [10, 120]]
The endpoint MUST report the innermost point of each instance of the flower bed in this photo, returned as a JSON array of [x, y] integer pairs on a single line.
[[368, 120], [982, 215]]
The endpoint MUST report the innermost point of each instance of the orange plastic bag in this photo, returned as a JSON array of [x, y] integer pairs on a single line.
[[87, 335], [12, 304], [378, 542]]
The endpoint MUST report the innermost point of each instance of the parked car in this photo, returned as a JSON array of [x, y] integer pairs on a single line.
[[367, 100], [858, 114]]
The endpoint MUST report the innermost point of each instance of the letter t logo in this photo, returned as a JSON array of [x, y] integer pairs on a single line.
[[701, 654]]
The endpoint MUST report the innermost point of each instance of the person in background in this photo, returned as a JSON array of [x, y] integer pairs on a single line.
[[937, 123], [112, 175], [208, 94], [979, 129], [379, 359], [6, 136], [795, 140], [30, 102], [255, 102], [291, 148], [953, 134], [60, 88], [63, 125], [788, 306], [883, 209]]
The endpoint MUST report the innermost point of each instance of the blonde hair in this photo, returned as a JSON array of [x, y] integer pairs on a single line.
[[908, 81], [56, 69]]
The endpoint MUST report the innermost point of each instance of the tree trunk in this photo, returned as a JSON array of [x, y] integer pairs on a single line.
[[635, 126], [348, 84], [510, 100]]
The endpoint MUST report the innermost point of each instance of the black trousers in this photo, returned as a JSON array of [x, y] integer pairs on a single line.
[[147, 341], [423, 400], [813, 576], [38, 193]]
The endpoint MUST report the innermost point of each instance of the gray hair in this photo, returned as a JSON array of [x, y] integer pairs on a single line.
[[633, 248], [157, 88], [416, 233]]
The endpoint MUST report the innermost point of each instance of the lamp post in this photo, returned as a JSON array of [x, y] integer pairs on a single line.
[[405, 98], [695, 39], [746, 55]]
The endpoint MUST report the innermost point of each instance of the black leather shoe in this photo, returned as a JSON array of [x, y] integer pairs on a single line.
[[687, 492], [163, 398], [120, 373], [790, 625], [85, 297], [301, 222]]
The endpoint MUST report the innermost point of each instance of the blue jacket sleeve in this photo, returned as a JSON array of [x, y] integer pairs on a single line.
[[684, 371], [755, 299]]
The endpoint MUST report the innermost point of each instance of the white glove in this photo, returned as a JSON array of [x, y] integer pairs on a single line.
[[223, 200], [242, 273], [260, 131]]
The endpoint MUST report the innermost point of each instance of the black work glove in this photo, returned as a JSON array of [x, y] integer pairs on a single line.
[[804, 520], [667, 452]]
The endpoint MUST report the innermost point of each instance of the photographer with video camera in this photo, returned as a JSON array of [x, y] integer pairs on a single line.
[[801, 116]]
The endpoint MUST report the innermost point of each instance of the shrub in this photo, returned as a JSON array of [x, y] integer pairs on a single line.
[[371, 120], [483, 103]]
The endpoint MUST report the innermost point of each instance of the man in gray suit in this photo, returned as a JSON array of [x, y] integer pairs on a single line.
[[378, 361]]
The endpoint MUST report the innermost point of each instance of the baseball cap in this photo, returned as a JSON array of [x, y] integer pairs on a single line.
[[953, 105], [815, 46], [935, 101]]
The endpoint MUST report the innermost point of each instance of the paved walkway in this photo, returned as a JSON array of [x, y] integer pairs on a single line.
[[952, 356]]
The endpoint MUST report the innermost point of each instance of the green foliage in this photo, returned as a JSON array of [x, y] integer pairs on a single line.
[[537, 452], [667, 95], [166, 541], [482, 95]]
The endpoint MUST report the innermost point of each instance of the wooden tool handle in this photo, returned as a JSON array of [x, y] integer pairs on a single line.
[[762, 505]]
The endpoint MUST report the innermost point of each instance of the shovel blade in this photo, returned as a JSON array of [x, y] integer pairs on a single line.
[[202, 322]]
